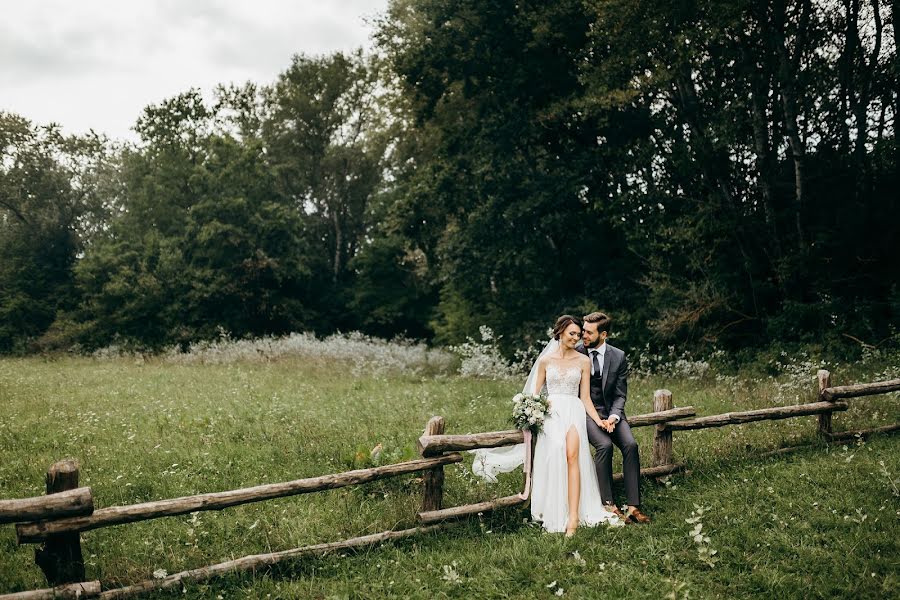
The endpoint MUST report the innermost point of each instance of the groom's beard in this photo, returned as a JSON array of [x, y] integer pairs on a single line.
[[593, 344]]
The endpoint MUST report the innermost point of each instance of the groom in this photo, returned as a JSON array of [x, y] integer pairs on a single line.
[[609, 390]]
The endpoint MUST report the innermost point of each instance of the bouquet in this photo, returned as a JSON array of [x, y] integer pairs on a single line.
[[529, 411]]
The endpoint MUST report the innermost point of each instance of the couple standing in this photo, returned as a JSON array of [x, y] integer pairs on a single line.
[[587, 385]]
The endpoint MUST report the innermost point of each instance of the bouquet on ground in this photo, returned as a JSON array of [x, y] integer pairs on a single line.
[[529, 411]]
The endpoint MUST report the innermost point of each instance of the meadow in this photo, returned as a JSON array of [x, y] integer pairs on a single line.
[[821, 522]]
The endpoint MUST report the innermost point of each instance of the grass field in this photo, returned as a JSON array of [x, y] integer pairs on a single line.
[[818, 523]]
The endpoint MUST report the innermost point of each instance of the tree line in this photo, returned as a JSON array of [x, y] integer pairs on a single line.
[[710, 172]]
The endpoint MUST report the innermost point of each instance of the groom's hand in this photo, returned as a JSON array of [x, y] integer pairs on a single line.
[[605, 425]]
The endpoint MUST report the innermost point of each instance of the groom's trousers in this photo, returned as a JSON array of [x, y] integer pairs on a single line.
[[631, 462]]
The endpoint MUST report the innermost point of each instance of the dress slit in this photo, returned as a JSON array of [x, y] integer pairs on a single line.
[[566, 440]]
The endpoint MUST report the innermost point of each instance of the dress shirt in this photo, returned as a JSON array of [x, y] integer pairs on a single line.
[[601, 356]]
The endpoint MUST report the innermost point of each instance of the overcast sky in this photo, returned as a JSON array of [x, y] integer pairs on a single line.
[[95, 64]]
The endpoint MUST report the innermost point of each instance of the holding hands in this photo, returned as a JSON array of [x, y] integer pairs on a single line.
[[608, 425]]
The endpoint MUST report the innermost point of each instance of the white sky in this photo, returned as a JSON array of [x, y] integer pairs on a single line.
[[95, 64]]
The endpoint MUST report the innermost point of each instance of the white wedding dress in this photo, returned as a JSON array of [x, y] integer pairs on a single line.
[[549, 496], [549, 485]]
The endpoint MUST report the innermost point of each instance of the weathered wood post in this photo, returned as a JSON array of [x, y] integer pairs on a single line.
[[662, 438], [60, 557], [824, 379], [433, 478]]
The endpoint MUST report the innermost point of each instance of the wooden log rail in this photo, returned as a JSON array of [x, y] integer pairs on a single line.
[[71, 503], [456, 512], [259, 561], [748, 416], [435, 445], [862, 433], [467, 510], [118, 515], [85, 589], [861, 389]]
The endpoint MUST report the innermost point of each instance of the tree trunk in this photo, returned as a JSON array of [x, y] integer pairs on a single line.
[[861, 107], [846, 62], [338, 244], [760, 86], [895, 16], [788, 69], [710, 161]]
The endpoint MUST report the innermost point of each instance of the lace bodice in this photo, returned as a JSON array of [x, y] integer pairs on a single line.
[[563, 379]]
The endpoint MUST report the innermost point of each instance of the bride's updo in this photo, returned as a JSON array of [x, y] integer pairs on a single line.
[[562, 323]]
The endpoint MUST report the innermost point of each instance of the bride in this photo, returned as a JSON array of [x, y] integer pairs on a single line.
[[565, 492]]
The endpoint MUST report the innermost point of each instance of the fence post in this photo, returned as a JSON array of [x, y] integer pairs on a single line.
[[433, 478], [662, 438], [824, 379], [60, 556]]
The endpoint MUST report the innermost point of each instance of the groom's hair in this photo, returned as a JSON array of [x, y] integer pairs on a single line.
[[602, 320], [563, 323]]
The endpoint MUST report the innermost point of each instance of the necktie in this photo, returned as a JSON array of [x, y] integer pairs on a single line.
[[595, 363]]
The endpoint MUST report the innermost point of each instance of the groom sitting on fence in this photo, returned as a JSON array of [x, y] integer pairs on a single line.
[[609, 390]]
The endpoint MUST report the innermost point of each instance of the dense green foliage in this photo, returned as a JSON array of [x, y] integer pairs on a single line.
[[707, 171], [817, 523]]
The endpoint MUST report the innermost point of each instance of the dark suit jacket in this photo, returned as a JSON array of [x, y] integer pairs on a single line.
[[615, 383]]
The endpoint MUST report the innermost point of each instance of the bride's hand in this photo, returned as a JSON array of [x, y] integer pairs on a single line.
[[600, 423]]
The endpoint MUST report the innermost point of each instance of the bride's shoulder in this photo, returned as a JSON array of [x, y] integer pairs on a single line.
[[583, 359]]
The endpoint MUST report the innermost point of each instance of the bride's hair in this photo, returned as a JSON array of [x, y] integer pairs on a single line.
[[562, 323]]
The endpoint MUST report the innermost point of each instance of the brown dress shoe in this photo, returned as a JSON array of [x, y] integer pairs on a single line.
[[615, 510], [635, 515]]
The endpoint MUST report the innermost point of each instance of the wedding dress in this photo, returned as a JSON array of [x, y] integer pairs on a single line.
[[549, 496], [549, 480]]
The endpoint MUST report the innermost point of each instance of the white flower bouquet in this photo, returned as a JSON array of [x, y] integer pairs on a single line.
[[529, 411]]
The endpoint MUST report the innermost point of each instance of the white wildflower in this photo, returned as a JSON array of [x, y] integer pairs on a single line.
[[451, 575]]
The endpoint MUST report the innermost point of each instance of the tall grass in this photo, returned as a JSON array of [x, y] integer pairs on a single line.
[[822, 522]]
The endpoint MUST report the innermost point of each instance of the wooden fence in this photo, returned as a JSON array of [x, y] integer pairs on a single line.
[[57, 519]]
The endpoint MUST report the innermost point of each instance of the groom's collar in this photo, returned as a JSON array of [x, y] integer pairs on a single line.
[[601, 349]]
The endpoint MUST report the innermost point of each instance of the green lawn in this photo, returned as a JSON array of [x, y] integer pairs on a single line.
[[820, 522]]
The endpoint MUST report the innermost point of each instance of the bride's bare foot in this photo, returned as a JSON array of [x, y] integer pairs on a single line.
[[570, 528]]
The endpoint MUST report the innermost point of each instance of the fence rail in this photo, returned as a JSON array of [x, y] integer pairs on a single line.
[[257, 561], [861, 389], [28, 533], [435, 445], [58, 518], [83, 589], [70, 503], [763, 414]]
